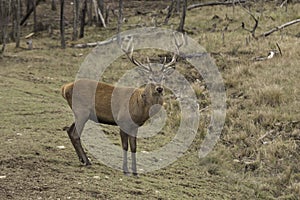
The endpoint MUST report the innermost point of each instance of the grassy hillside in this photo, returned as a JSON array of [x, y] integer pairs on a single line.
[[257, 156]]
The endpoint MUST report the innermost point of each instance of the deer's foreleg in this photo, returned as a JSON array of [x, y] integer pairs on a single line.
[[124, 140], [132, 142]]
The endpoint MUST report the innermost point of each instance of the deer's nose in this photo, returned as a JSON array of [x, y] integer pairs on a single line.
[[159, 89]]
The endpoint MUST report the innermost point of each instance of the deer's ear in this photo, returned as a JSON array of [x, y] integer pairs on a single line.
[[141, 71], [168, 71]]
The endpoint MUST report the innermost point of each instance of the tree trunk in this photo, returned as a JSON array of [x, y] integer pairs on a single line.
[[18, 18], [107, 15], [5, 10], [95, 6], [120, 20], [75, 19], [62, 24], [182, 20], [29, 13], [90, 13], [14, 21], [21, 9], [28, 5], [53, 5], [178, 6], [34, 16], [82, 19]]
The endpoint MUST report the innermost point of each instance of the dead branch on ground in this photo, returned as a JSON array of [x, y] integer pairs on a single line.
[[279, 49], [94, 44], [280, 27], [226, 3]]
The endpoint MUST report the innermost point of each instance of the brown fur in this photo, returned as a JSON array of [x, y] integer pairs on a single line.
[[91, 100], [139, 104]]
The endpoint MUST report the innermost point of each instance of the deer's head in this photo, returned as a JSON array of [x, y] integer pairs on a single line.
[[155, 72]]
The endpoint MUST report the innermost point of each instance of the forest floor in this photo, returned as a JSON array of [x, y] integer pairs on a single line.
[[256, 157]]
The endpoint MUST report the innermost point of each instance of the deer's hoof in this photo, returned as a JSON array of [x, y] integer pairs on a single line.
[[126, 173], [135, 174], [66, 128], [88, 163], [85, 162]]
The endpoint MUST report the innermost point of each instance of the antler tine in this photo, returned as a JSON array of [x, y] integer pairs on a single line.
[[164, 64], [149, 66], [177, 46], [165, 60], [172, 62], [130, 55]]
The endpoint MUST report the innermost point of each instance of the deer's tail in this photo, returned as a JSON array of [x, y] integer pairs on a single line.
[[66, 90]]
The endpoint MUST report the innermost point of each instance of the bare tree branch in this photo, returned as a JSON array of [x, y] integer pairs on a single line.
[[101, 17], [170, 10], [252, 31], [29, 13], [100, 13], [280, 27], [279, 49]]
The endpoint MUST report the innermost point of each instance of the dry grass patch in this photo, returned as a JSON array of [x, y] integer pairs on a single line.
[[269, 96]]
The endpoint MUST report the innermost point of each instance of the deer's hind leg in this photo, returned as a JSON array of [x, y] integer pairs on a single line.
[[75, 139], [74, 133]]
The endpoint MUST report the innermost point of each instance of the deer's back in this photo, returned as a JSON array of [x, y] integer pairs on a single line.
[[96, 98]]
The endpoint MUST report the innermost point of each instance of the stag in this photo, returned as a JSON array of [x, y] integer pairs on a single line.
[[92, 100]]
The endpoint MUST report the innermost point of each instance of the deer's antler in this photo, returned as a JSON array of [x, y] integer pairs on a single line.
[[129, 52], [174, 58]]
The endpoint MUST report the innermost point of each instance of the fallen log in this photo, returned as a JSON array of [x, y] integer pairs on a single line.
[[94, 44], [280, 27], [227, 3]]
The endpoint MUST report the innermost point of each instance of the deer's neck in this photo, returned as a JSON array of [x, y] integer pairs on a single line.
[[142, 101]]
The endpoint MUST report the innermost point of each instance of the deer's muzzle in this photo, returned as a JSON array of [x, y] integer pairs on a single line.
[[159, 89]]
